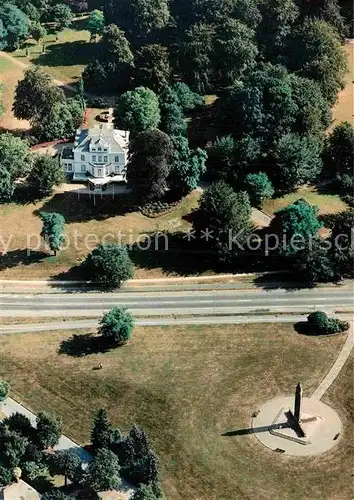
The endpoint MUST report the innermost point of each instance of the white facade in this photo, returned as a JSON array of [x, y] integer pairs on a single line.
[[99, 155]]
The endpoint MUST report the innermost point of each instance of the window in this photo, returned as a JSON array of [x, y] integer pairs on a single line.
[[105, 159], [83, 168], [94, 158], [100, 149], [82, 157], [117, 169], [100, 172], [69, 167], [116, 159], [105, 149], [100, 159]]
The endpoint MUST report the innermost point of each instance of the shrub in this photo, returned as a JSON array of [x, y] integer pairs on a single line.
[[4, 389], [117, 325], [321, 324]]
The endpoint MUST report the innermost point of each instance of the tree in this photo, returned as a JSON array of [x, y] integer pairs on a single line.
[[186, 98], [19, 423], [295, 225], [109, 265], [65, 463], [135, 446], [235, 51], [172, 117], [103, 472], [149, 164], [258, 187], [7, 187], [37, 30], [278, 19], [186, 167], [95, 23], [146, 492], [46, 173], [153, 68], [117, 325], [314, 262], [342, 247], [48, 430], [297, 160], [225, 214], [15, 155], [137, 110], [101, 434], [315, 52], [55, 495], [5, 475], [12, 447], [61, 122], [339, 151], [52, 230], [61, 15], [116, 46], [4, 389], [15, 26], [36, 95]]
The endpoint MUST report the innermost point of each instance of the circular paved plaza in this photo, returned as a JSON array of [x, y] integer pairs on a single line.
[[321, 424]]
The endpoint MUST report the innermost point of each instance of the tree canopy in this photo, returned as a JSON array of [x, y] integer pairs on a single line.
[[137, 110], [117, 325], [108, 265], [52, 230], [46, 173], [103, 473]]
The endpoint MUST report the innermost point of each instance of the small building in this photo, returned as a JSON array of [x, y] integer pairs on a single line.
[[19, 491], [98, 156]]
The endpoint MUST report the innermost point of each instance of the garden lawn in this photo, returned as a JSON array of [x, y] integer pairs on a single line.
[[86, 226], [187, 386], [343, 110], [326, 203]]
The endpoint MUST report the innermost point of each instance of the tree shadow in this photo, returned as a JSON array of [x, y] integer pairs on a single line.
[[303, 328], [281, 281], [252, 430], [21, 257], [84, 345], [68, 54]]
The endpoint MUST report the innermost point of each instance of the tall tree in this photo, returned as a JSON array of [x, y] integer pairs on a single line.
[[36, 95], [295, 225], [314, 262], [12, 447], [149, 164], [258, 187], [315, 52], [103, 473], [95, 23], [48, 430], [153, 68], [61, 15], [7, 186], [116, 46], [65, 463], [15, 26], [223, 215], [101, 434], [295, 160], [137, 110], [342, 247], [61, 122], [108, 265], [52, 230], [15, 156], [339, 151], [172, 116], [46, 173], [117, 326]]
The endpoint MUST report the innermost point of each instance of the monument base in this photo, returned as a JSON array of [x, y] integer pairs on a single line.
[[310, 423]]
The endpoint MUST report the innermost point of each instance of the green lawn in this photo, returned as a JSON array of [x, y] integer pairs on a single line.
[[187, 386], [326, 203], [64, 58]]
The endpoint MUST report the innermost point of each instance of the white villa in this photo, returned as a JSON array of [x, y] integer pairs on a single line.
[[98, 156]]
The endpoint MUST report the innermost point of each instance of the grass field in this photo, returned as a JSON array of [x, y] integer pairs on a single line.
[[326, 203], [343, 110], [10, 74], [86, 226], [187, 386], [64, 58]]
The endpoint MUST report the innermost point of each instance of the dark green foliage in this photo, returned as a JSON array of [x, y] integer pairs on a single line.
[[146, 492], [296, 223], [116, 46], [15, 156], [19, 423], [295, 160], [65, 463], [172, 117], [186, 167], [95, 23], [48, 430], [314, 263], [37, 30], [108, 265], [101, 434], [339, 151], [36, 95], [55, 495], [117, 326], [226, 215], [12, 447], [316, 53], [145, 469], [258, 187], [187, 99], [149, 164], [61, 122], [15, 26], [152, 66], [61, 15], [342, 243], [6, 476], [4, 389], [103, 473], [320, 324], [7, 186], [137, 110], [52, 230], [45, 174], [135, 446]]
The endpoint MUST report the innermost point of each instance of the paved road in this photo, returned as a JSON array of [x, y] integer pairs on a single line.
[[207, 303]]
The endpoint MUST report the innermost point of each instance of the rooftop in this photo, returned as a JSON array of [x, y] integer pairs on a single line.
[[19, 491], [105, 136]]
